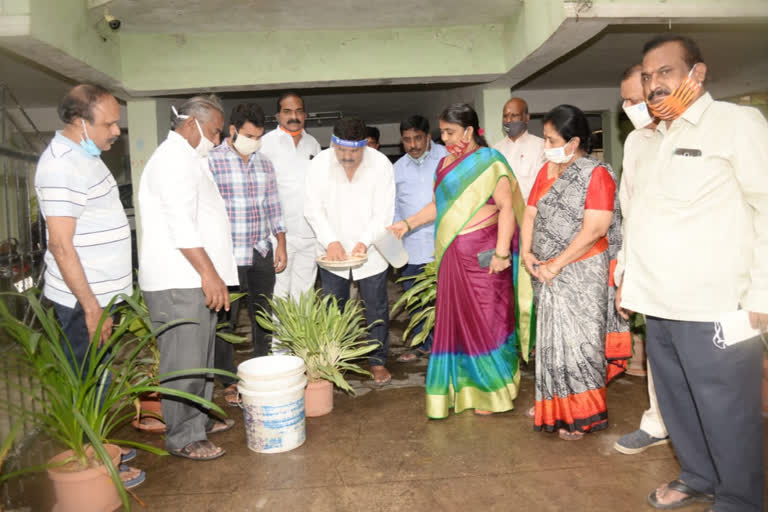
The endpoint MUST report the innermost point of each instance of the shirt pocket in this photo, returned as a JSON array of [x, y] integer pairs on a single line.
[[690, 179]]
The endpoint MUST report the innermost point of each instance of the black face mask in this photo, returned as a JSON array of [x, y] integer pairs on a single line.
[[515, 128]]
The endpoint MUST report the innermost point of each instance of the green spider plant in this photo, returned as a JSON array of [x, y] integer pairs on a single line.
[[317, 330], [419, 301], [82, 406]]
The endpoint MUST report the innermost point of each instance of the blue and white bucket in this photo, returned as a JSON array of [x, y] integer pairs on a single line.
[[273, 414]]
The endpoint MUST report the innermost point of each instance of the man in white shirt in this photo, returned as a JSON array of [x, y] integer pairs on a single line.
[[524, 152], [697, 252], [186, 263], [290, 148], [652, 431], [88, 258], [350, 199]]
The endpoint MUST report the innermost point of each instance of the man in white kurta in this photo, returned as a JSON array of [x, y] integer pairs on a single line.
[[291, 148], [350, 199]]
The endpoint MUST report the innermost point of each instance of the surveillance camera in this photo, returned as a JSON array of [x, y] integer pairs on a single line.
[[113, 22]]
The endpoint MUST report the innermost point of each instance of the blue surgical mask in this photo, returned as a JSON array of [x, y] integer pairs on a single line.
[[87, 144]]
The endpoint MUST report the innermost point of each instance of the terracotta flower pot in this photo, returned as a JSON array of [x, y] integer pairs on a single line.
[[151, 416], [636, 364], [318, 398], [84, 490]]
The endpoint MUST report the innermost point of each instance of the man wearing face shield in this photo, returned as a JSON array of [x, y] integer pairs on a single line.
[[290, 149], [414, 179], [652, 431], [350, 199], [186, 265], [524, 152], [246, 181], [696, 266]]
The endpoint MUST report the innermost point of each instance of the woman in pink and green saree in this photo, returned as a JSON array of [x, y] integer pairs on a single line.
[[484, 296]]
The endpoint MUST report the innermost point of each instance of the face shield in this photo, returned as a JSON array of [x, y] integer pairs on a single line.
[[349, 153]]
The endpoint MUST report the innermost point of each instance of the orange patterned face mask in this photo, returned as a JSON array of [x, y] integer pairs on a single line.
[[673, 106]]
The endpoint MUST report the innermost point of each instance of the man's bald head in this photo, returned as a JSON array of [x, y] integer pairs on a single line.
[[516, 105], [515, 117], [80, 101]]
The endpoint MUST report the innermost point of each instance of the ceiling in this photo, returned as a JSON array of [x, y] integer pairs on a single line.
[[31, 84], [735, 56], [270, 15]]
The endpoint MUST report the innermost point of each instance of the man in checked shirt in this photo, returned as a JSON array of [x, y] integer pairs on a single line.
[[246, 181]]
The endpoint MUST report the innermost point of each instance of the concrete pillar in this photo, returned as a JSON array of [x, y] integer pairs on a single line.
[[490, 106], [612, 146]]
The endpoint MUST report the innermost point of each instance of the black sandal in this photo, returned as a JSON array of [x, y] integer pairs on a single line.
[[188, 451], [692, 496]]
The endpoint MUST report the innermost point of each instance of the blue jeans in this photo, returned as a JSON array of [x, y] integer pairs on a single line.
[[373, 291], [413, 270]]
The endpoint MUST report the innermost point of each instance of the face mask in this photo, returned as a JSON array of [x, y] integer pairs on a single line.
[[458, 149], [204, 146], [246, 146], [515, 128], [673, 105], [87, 144], [557, 155], [420, 160], [638, 114]]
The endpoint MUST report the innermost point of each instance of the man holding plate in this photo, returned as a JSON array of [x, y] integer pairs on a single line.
[[350, 199]]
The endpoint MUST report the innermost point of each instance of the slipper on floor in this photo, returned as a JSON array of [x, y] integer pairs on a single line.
[[384, 382], [188, 451], [135, 481], [220, 426], [413, 355], [128, 455], [692, 496], [531, 413], [231, 396], [567, 435]]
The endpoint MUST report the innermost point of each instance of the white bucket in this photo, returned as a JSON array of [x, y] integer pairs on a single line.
[[271, 373], [274, 420]]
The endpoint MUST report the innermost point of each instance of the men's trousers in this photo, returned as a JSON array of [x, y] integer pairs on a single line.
[[184, 347], [710, 400], [652, 423], [301, 270], [373, 291]]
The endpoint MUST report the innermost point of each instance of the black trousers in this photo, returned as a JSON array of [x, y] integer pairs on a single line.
[[710, 401], [258, 281]]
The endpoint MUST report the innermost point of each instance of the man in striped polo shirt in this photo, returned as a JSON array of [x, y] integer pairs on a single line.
[[88, 260]]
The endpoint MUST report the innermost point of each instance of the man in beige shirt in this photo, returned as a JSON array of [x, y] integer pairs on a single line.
[[699, 250], [524, 152], [652, 431]]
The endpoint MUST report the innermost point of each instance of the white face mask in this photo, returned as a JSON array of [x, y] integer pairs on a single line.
[[205, 145], [638, 114], [557, 155], [245, 145]]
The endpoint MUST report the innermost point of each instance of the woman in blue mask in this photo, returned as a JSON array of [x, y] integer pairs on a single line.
[[571, 233]]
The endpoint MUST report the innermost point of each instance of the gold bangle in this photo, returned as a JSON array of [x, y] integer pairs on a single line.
[[408, 225], [501, 257]]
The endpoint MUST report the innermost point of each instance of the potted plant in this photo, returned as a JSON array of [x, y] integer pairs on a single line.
[[325, 336], [148, 406], [419, 301], [81, 407]]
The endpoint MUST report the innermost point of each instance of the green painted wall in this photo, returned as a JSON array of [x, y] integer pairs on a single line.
[[530, 28]]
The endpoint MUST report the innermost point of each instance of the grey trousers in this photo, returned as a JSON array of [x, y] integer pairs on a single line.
[[710, 401], [183, 347]]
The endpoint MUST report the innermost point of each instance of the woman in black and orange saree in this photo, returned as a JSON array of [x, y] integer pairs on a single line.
[[477, 209], [570, 236]]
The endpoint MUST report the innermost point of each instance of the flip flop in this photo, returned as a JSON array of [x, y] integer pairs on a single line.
[[127, 456], [135, 481], [231, 396], [188, 451], [220, 426], [481, 412], [566, 435], [531, 413], [383, 382], [692, 496], [413, 355]]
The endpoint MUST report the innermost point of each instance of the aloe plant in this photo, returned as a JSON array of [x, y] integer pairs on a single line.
[[81, 406], [324, 335], [419, 301]]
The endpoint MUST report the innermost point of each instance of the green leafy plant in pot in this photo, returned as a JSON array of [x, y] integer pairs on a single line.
[[81, 407], [419, 302], [327, 337]]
